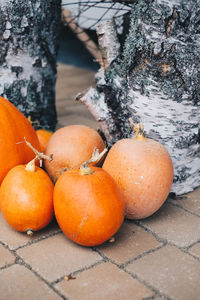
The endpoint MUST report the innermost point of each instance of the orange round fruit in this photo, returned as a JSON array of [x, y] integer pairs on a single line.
[[70, 147]]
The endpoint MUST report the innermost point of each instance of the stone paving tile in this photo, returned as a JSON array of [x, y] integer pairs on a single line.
[[190, 201], [19, 283], [6, 257], [15, 239], [130, 241], [195, 250], [173, 272], [72, 80], [57, 256], [175, 225], [104, 281]]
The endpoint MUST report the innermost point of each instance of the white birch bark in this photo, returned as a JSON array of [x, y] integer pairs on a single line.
[[28, 42], [155, 80]]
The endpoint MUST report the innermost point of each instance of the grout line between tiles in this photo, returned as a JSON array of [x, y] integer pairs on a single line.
[[79, 271], [43, 237], [121, 267], [183, 208], [20, 261]]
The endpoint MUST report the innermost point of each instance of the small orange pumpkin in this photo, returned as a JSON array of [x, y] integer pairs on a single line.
[[70, 147], [88, 205], [26, 196], [143, 170], [43, 136], [14, 126]]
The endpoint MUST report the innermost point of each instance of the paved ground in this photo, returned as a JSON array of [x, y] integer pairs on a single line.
[[157, 258]]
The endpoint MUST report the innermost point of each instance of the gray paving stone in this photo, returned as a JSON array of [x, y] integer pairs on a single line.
[[195, 250], [104, 281], [15, 239], [130, 241], [57, 256], [19, 283], [171, 271], [6, 257], [175, 225], [190, 201]]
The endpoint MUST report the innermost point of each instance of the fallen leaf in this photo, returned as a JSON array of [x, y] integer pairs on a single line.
[[112, 240], [69, 277]]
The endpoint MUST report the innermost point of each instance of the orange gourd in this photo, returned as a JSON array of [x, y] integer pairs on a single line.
[[88, 205], [43, 136], [13, 128], [143, 170], [70, 147], [26, 196]]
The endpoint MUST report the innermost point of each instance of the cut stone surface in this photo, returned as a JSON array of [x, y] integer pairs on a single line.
[[171, 271], [6, 257], [130, 241], [57, 256], [105, 281], [15, 239], [17, 282], [190, 201], [69, 111], [175, 225], [195, 250]]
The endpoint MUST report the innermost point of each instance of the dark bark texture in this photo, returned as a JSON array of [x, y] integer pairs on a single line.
[[28, 42], [155, 79]]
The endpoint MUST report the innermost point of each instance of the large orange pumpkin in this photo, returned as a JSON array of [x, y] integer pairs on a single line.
[[43, 136], [143, 170], [13, 128], [88, 205], [26, 196], [70, 147]]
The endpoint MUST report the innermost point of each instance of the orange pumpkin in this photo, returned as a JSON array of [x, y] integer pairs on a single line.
[[88, 205], [13, 128], [70, 147], [26, 195], [143, 170], [43, 136]]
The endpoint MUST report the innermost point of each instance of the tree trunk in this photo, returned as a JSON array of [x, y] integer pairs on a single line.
[[28, 42], [155, 80]]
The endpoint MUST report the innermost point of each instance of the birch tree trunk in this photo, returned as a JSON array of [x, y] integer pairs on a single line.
[[154, 79], [28, 42]]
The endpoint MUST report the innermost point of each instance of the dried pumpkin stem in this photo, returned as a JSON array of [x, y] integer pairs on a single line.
[[33, 122], [96, 157], [38, 155], [139, 130], [31, 165], [29, 232]]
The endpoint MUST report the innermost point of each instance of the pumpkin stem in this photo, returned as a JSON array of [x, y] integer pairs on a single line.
[[139, 130], [29, 232], [96, 157], [33, 122], [38, 155], [31, 165]]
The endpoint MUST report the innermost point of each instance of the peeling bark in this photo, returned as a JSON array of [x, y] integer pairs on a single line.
[[28, 42], [155, 80]]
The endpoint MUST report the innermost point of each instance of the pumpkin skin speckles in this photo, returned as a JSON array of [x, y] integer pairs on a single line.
[[143, 170], [88, 208], [70, 147]]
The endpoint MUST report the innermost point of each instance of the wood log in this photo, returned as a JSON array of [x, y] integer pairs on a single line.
[[29, 41], [155, 80]]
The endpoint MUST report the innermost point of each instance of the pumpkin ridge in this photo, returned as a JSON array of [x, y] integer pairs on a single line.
[[14, 126]]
